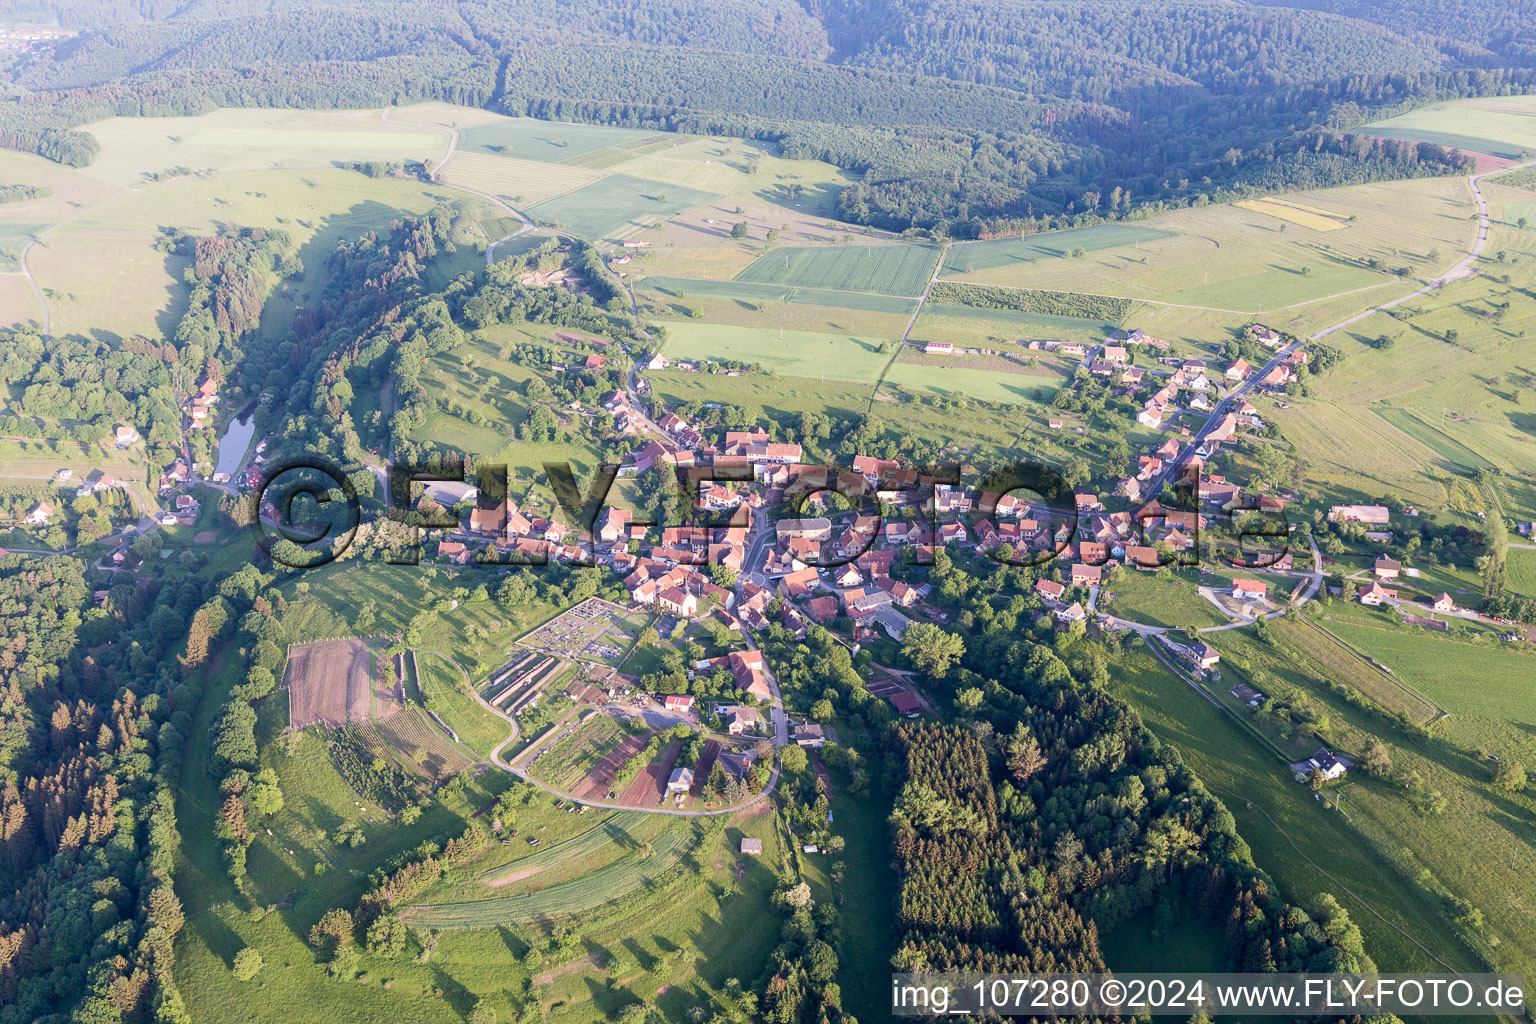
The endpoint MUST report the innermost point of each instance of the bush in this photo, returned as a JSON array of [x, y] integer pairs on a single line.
[[248, 964]]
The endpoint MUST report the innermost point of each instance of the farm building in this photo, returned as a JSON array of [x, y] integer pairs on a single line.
[[938, 348], [1370, 515], [750, 846], [1376, 594], [1444, 603], [1387, 568], [677, 702], [905, 703]]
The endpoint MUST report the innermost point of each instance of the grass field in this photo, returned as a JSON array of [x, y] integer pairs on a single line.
[[764, 296], [890, 269], [617, 205], [442, 691], [1022, 388], [1228, 258], [796, 353], [1433, 438], [1499, 126], [1484, 678], [1307, 848], [1162, 599], [520, 181], [548, 141], [1319, 657], [966, 257], [1521, 568]]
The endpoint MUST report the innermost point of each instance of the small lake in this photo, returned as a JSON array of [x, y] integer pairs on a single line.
[[234, 444]]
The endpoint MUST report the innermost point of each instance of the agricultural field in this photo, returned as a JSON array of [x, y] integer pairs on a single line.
[[972, 326], [1320, 656], [617, 206], [888, 269], [443, 692], [517, 181], [626, 870], [335, 682], [685, 289], [420, 742], [1226, 258], [1502, 126], [1521, 568], [579, 749], [793, 353], [1295, 213]]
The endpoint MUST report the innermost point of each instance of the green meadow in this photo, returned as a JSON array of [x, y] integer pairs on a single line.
[[550, 141], [796, 353], [617, 205], [890, 269], [965, 257]]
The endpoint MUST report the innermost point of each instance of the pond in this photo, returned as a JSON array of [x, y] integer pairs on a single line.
[[234, 444]]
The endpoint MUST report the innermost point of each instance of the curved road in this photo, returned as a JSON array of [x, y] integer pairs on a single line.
[[453, 148], [514, 768]]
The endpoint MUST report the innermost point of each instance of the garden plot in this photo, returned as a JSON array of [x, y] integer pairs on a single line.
[[334, 682]]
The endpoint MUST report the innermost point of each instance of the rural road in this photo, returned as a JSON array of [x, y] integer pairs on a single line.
[[514, 767], [453, 148]]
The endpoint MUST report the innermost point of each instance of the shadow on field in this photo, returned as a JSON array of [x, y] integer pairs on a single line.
[[220, 939]]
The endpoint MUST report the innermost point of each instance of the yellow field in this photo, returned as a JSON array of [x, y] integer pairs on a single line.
[[1303, 206], [1292, 213], [524, 182]]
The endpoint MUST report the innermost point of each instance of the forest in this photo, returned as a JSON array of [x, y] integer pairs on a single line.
[[963, 120]]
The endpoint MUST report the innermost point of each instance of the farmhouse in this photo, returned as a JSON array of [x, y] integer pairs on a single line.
[[1376, 594], [1444, 603], [1087, 575], [816, 530], [1387, 568]]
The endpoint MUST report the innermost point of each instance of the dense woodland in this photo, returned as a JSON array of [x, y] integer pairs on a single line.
[[964, 119]]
